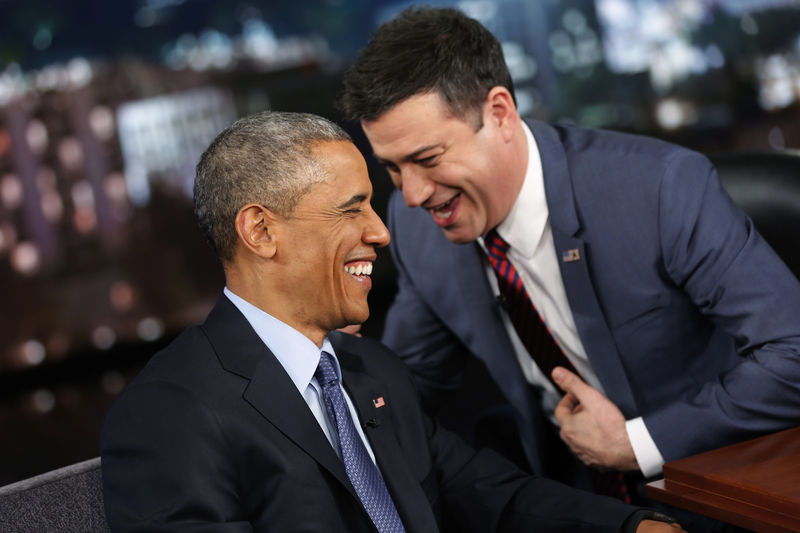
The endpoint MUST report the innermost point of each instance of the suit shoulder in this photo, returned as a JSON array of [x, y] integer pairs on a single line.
[[590, 141], [415, 236], [401, 216], [612, 159], [370, 353], [175, 362]]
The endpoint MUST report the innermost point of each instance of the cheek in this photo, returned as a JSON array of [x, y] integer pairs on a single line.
[[470, 177], [486, 187]]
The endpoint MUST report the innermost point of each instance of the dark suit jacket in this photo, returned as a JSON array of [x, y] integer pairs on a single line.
[[688, 317], [214, 436]]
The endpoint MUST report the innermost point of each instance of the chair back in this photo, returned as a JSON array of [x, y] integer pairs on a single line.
[[766, 186], [66, 500]]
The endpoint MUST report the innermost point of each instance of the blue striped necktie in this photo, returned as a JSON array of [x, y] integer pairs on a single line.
[[539, 343], [363, 474]]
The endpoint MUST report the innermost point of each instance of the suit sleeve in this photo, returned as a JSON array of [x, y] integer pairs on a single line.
[[414, 332], [712, 251], [164, 465], [487, 493]]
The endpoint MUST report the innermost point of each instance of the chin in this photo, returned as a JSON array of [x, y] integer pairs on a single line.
[[358, 317], [459, 236]]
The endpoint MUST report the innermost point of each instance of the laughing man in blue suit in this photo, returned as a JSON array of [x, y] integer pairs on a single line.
[[682, 323]]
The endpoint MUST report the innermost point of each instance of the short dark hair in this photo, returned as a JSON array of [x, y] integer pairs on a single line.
[[425, 50], [267, 159]]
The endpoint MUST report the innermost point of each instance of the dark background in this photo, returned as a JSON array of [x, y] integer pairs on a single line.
[[105, 107]]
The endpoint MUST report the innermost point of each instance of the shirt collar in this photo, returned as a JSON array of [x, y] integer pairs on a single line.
[[524, 226], [298, 355]]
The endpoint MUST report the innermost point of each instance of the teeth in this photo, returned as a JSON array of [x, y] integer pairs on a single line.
[[360, 269], [441, 211]]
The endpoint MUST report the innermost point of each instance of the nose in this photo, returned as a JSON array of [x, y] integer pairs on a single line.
[[375, 232], [416, 186]]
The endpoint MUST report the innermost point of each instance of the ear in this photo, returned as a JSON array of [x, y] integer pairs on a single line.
[[500, 111], [255, 227]]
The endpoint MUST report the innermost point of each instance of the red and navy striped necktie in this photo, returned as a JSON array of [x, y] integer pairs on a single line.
[[539, 342], [532, 330]]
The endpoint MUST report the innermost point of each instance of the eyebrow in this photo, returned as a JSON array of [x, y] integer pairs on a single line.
[[356, 199], [410, 156]]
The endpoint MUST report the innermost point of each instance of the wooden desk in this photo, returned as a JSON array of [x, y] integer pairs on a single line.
[[753, 484]]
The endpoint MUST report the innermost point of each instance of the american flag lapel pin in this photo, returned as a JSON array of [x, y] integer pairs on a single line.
[[378, 402], [573, 254]]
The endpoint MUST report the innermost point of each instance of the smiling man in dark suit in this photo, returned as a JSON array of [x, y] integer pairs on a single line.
[[261, 419]]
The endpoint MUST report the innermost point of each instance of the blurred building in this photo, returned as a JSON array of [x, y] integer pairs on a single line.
[[100, 258]]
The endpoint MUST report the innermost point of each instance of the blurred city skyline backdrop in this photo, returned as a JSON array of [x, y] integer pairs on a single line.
[[105, 108]]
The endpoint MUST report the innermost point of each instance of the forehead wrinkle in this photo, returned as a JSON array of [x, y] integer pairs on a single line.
[[421, 150], [409, 157]]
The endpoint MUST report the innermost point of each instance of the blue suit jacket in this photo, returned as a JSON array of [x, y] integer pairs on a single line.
[[214, 436], [688, 317]]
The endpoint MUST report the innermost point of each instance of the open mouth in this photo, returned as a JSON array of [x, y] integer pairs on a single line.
[[359, 269], [443, 213]]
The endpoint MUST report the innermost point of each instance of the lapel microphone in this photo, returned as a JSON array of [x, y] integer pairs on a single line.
[[372, 423], [501, 301]]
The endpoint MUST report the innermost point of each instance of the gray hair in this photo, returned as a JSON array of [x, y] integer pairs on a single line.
[[264, 159]]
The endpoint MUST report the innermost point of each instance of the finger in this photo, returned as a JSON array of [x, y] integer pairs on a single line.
[[566, 407], [566, 379], [571, 402], [352, 329], [572, 383]]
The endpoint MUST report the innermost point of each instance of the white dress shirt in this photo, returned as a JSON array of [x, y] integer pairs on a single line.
[[299, 356], [532, 252]]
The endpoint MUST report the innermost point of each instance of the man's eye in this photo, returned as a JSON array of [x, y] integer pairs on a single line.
[[391, 167], [427, 161]]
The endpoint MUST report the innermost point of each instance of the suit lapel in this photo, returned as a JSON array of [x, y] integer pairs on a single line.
[[271, 391], [462, 298], [273, 394], [589, 317], [364, 390], [470, 282], [490, 340]]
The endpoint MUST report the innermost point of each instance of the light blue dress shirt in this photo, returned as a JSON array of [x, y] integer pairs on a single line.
[[299, 356]]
